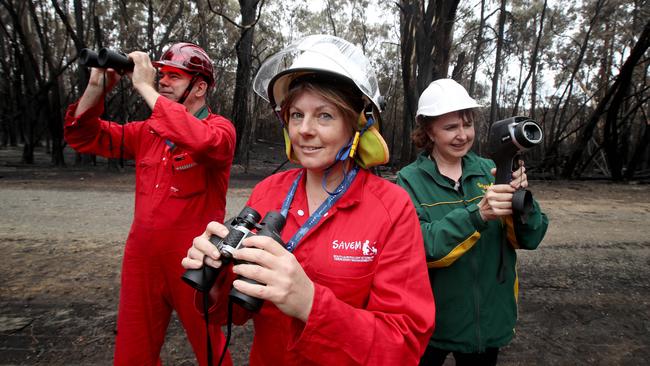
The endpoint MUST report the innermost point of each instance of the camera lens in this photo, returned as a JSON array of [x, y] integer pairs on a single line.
[[528, 134]]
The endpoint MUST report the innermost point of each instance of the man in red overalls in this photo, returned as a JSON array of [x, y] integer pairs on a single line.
[[183, 155]]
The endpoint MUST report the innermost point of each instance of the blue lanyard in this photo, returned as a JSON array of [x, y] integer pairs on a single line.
[[322, 209]]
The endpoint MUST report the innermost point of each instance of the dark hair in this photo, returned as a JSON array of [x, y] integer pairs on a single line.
[[423, 124], [344, 95]]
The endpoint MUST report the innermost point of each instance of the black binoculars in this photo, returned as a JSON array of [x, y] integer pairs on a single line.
[[105, 59], [246, 224], [509, 138]]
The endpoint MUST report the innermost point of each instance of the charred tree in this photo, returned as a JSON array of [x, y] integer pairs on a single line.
[[615, 95]]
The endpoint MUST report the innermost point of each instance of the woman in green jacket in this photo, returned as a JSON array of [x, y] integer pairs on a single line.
[[469, 234]]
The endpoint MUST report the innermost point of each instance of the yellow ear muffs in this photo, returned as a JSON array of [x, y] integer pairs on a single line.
[[368, 147], [372, 149]]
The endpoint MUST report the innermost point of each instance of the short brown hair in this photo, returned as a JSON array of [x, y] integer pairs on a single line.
[[423, 124], [347, 100]]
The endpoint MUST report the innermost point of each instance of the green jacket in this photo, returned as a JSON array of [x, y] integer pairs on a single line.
[[474, 310]]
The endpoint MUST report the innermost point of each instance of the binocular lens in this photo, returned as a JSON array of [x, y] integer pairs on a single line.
[[114, 60], [88, 58]]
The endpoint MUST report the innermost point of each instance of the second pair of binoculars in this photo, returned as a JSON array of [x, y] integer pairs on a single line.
[[246, 224], [106, 59]]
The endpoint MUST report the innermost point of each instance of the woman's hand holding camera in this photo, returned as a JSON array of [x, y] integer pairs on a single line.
[[519, 178], [497, 201]]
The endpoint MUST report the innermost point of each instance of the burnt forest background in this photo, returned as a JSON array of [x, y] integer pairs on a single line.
[[579, 68]]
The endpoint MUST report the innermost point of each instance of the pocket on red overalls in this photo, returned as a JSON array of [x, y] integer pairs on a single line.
[[145, 176], [188, 177]]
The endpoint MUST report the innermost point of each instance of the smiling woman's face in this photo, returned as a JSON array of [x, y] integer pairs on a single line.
[[451, 135], [317, 130]]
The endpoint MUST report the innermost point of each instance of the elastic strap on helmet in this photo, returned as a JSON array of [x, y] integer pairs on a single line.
[[187, 91]]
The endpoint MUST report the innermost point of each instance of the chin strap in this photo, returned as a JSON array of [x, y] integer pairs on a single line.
[[349, 150], [187, 91], [365, 120]]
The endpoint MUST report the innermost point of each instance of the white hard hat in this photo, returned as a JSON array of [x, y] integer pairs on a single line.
[[444, 96], [342, 62], [320, 54]]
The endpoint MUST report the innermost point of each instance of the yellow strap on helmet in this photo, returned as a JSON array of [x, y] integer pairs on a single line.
[[355, 143]]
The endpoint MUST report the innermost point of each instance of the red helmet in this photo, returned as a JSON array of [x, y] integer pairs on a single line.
[[188, 57]]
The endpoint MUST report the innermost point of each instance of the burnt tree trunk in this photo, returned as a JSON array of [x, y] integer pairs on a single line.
[[624, 77], [408, 21], [494, 106], [426, 34], [244, 52], [534, 59], [477, 50]]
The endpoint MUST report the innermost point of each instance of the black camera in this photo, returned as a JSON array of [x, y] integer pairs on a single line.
[[240, 228], [105, 59], [508, 139]]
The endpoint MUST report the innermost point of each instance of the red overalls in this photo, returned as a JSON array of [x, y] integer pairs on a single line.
[[372, 303], [182, 171]]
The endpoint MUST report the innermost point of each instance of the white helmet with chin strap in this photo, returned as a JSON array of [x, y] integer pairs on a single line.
[[328, 55], [444, 96]]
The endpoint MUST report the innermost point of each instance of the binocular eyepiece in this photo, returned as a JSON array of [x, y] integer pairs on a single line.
[[105, 59], [240, 228]]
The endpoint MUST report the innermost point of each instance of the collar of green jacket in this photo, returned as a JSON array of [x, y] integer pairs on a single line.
[[471, 167], [203, 112]]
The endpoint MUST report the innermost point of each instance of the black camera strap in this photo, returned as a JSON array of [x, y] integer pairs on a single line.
[[206, 317], [228, 332]]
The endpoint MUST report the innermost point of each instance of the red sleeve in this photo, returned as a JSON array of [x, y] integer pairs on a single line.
[[395, 326], [209, 140], [89, 134]]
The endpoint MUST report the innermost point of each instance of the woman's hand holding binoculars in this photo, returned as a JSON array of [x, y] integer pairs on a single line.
[[203, 251], [281, 278]]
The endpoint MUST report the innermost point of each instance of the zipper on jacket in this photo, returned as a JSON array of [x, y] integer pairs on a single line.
[[476, 301], [476, 287]]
